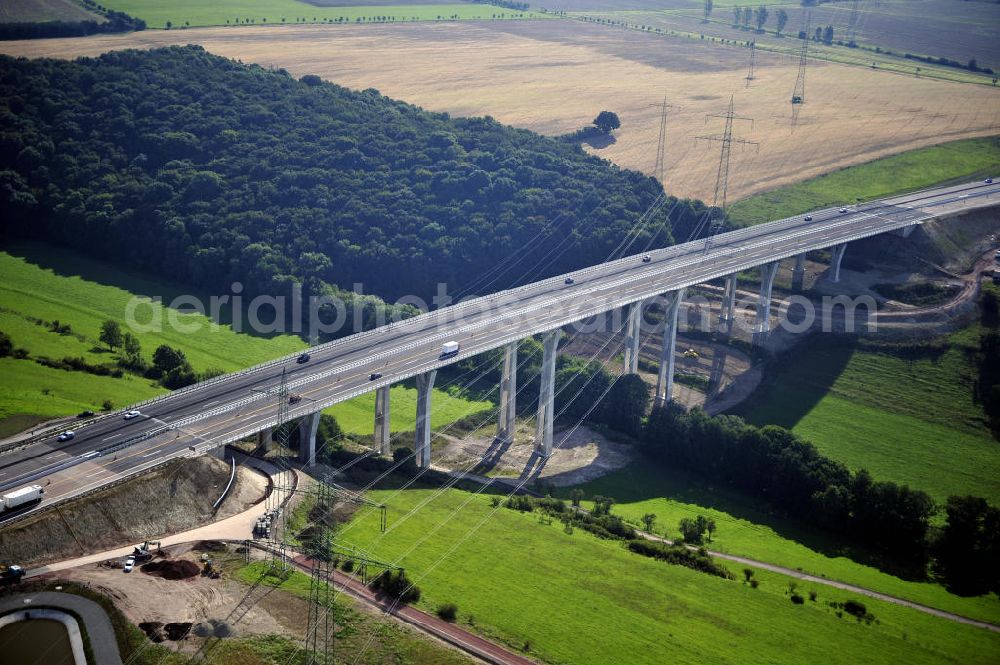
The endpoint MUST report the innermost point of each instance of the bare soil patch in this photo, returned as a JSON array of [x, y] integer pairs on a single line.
[[175, 498], [555, 76], [579, 455]]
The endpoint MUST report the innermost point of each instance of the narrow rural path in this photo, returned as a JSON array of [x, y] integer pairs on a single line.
[[844, 586]]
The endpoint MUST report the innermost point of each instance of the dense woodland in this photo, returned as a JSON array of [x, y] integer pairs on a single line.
[[210, 171]]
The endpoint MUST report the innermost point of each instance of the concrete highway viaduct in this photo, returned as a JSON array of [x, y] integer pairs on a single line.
[[208, 415]]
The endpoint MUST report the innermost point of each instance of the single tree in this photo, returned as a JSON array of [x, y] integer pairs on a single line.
[[166, 358], [690, 532], [648, 520], [130, 343], [607, 121], [782, 17], [828, 34], [737, 16], [760, 16], [818, 35], [575, 497], [111, 334], [710, 525], [708, 9]]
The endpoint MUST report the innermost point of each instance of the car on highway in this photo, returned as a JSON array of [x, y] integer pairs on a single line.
[[375, 376], [67, 435], [304, 358], [647, 259], [294, 399], [988, 181], [129, 563], [131, 414], [85, 414], [569, 280], [809, 218], [842, 210]]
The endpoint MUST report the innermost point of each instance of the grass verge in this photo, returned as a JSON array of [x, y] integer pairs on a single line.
[[958, 161]]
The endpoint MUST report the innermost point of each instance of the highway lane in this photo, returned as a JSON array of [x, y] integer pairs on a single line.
[[216, 413]]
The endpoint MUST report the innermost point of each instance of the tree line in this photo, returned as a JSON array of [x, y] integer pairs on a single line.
[[774, 464], [208, 171]]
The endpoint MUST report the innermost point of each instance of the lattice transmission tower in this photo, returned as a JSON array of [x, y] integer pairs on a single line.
[[661, 144], [753, 58], [799, 91], [722, 176]]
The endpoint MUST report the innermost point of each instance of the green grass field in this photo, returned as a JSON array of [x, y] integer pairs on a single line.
[[83, 293], [357, 415], [193, 13], [29, 11], [909, 421], [573, 598], [747, 527], [958, 161]]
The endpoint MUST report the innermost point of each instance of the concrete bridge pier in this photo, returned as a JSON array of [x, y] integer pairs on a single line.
[[264, 438], [308, 427], [665, 379], [837, 255], [799, 273], [546, 395], [422, 447], [762, 322], [508, 394], [633, 337], [728, 306], [382, 421], [906, 231]]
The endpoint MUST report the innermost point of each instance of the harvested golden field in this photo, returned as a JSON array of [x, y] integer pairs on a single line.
[[555, 76]]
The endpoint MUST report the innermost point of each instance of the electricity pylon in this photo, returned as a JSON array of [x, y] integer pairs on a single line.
[[852, 25], [722, 177], [799, 92], [753, 57], [661, 144]]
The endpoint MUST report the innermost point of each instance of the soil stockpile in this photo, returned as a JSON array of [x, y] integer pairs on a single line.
[[172, 569]]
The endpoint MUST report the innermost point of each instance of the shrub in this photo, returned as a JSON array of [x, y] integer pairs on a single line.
[[448, 611], [681, 556], [395, 584], [754, 583], [797, 599], [348, 565]]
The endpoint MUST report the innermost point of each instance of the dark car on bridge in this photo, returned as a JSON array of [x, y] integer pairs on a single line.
[[304, 358]]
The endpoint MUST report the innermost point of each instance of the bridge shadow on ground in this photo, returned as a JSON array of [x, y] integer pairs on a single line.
[[645, 479], [797, 380]]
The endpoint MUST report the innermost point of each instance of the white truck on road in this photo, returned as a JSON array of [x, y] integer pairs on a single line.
[[22, 497], [449, 349]]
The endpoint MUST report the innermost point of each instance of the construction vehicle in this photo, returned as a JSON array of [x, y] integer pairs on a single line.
[[11, 574], [142, 553], [22, 497], [691, 353]]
